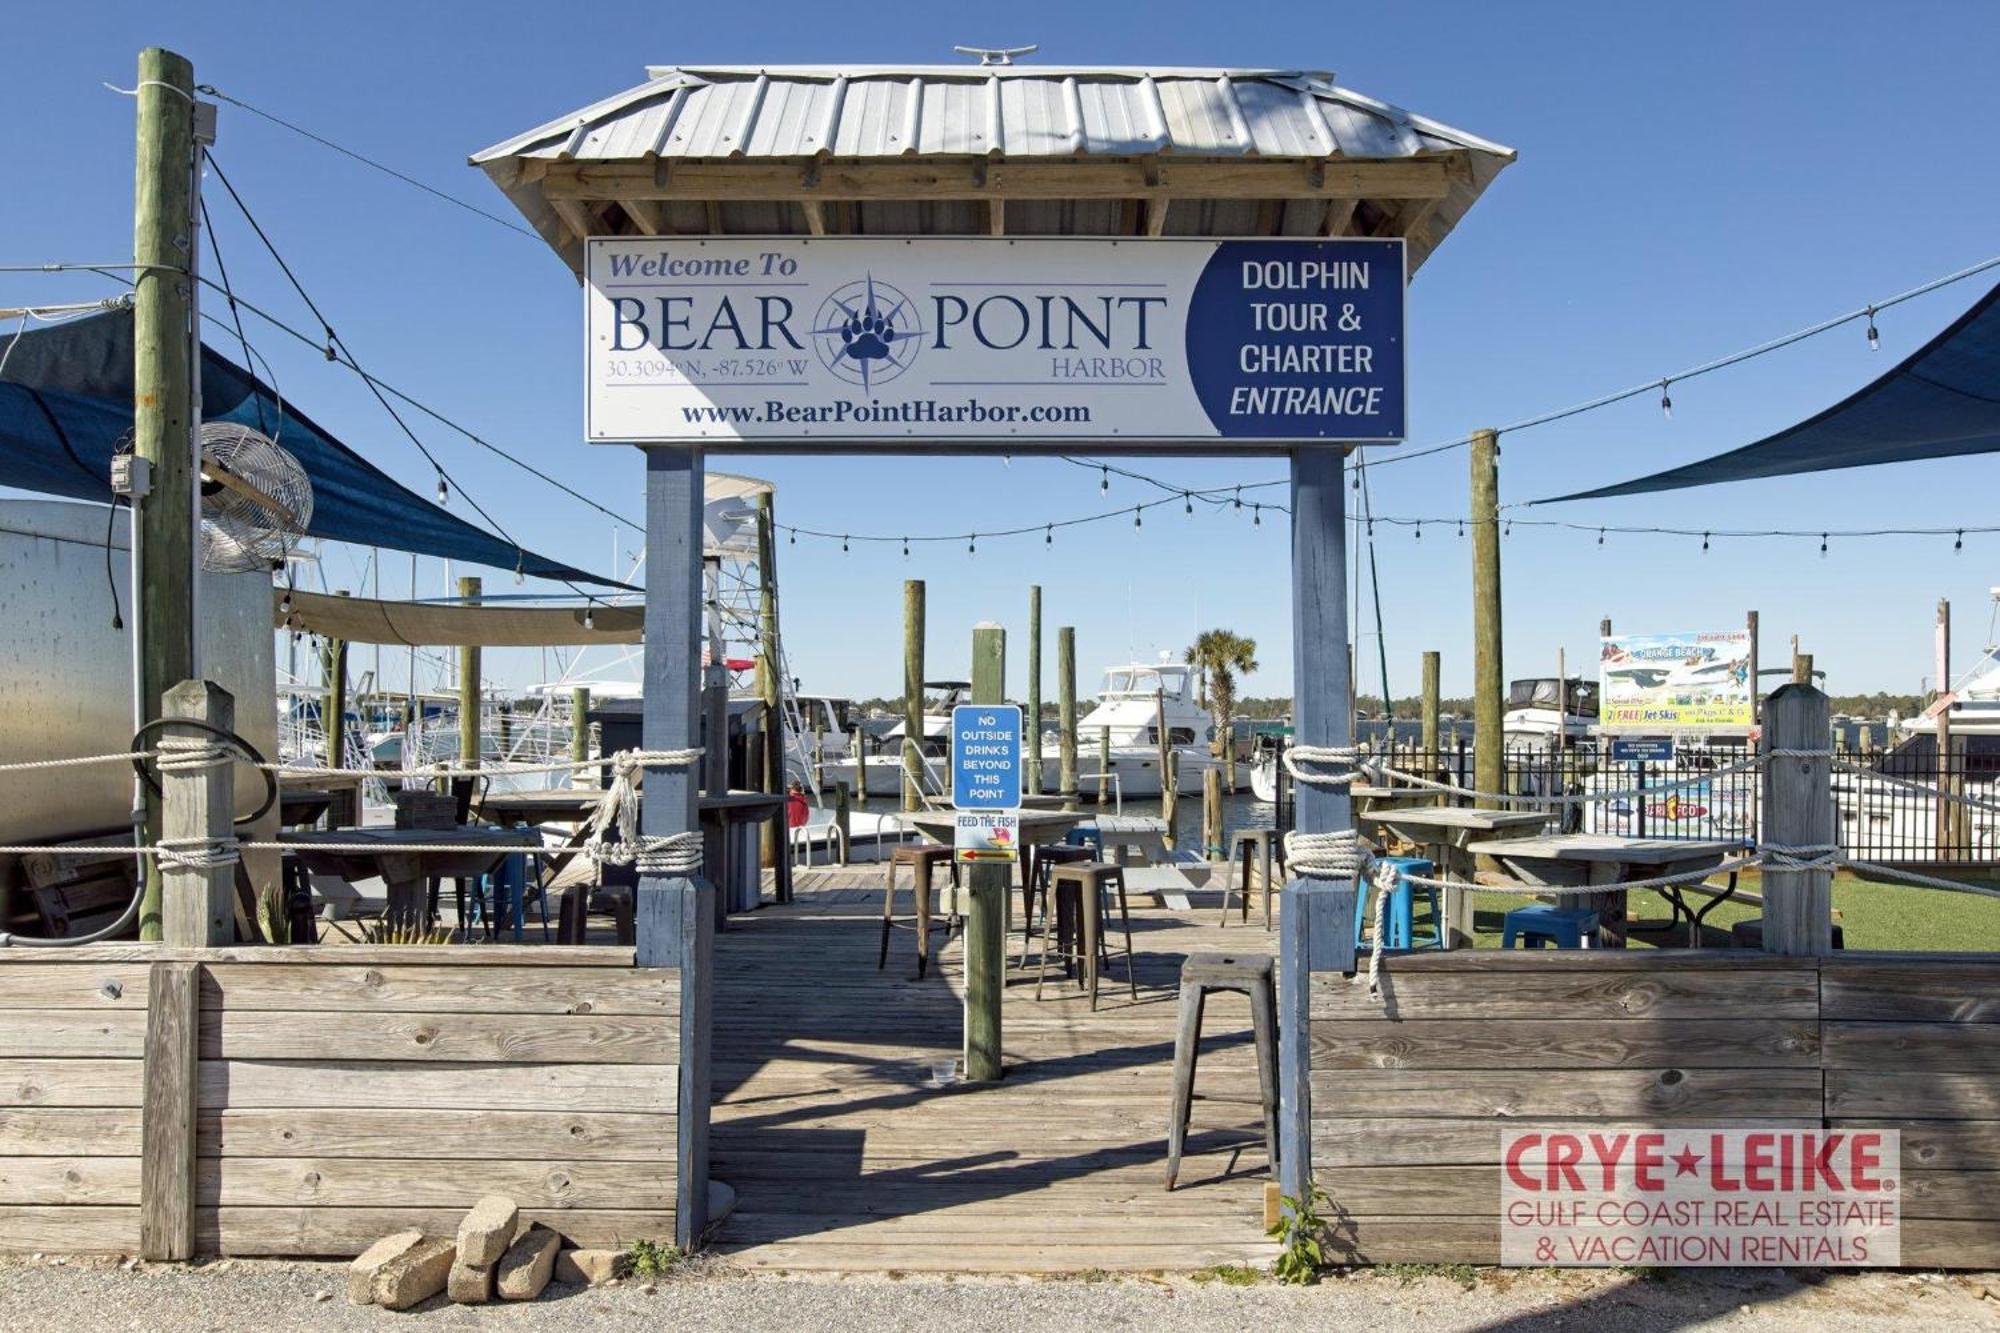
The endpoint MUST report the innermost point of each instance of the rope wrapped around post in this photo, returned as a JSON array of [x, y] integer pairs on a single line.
[[675, 854], [1339, 854], [185, 756]]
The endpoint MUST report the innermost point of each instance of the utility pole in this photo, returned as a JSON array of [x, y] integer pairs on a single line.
[[468, 685], [913, 694], [165, 417], [1066, 712], [1488, 686]]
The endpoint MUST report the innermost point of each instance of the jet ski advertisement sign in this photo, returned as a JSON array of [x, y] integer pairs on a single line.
[[1675, 682]]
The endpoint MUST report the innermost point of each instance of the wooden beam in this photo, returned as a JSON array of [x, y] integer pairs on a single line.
[[1339, 216], [575, 216], [996, 211], [167, 1124], [1407, 220], [958, 179], [815, 213], [646, 215], [713, 213], [1156, 214]]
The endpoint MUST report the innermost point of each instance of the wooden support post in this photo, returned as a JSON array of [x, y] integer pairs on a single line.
[[167, 1115], [1169, 798], [1066, 712], [1428, 713], [1756, 690], [1798, 813], [769, 678], [860, 763], [675, 915], [469, 746], [334, 705], [165, 418], [842, 819], [715, 698], [913, 694], [197, 902], [989, 886], [1489, 685], [1942, 819], [579, 732], [1211, 816], [1031, 734], [1802, 668], [1316, 921]]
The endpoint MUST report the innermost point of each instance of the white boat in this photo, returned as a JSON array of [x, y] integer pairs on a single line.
[[1531, 719], [1137, 698]]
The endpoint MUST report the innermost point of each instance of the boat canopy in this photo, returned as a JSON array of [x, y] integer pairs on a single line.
[[1943, 401], [366, 620], [66, 405], [1579, 700]]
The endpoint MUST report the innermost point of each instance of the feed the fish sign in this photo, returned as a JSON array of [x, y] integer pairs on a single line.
[[986, 757], [991, 344]]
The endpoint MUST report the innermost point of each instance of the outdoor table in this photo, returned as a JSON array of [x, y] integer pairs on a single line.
[[738, 881], [388, 853], [302, 806], [1037, 828], [1447, 833], [1370, 801], [1569, 859], [342, 791]]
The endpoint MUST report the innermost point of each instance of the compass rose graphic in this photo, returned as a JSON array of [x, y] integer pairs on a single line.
[[867, 333]]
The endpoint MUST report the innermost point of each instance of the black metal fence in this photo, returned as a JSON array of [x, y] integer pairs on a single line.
[[1898, 811]]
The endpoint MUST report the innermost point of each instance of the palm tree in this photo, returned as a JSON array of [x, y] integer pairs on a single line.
[[1217, 656]]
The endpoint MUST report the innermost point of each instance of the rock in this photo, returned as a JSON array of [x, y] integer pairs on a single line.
[[487, 1231], [590, 1268], [415, 1275], [525, 1268], [469, 1284], [361, 1273]]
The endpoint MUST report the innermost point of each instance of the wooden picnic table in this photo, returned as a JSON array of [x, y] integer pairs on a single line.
[[392, 855], [1447, 834], [1371, 800], [1567, 860]]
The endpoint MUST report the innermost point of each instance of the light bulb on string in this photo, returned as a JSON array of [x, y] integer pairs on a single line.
[[972, 544], [1704, 541], [1958, 543], [906, 548], [1666, 402], [1006, 460], [1104, 481], [1461, 527], [1138, 518], [1508, 531], [1256, 516], [1420, 530], [444, 491], [793, 538], [1049, 535], [1357, 478], [1822, 543], [1600, 536], [1187, 502], [1239, 497], [590, 617], [1874, 338], [843, 546], [520, 574]]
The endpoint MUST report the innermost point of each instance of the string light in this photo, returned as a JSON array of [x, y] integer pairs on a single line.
[[1138, 518], [972, 544], [843, 545], [444, 492], [1600, 536], [906, 548], [1239, 497], [1256, 516], [1958, 543], [1420, 530], [1822, 543], [1704, 541], [1874, 338], [590, 617], [1461, 528], [793, 539], [1104, 482], [285, 603], [1049, 536], [1666, 403], [1187, 502]]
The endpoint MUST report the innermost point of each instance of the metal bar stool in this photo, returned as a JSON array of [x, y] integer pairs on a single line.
[[1262, 845], [920, 860], [1039, 884], [1201, 974], [1081, 888]]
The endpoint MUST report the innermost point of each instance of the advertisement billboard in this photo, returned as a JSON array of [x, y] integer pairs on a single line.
[[993, 343], [1698, 681]]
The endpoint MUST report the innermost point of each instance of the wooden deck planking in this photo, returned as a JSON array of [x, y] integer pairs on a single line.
[[846, 1154]]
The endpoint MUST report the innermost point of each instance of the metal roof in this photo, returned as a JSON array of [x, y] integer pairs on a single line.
[[1031, 113]]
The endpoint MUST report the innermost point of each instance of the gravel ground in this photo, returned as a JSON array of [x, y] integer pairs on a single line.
[[105, 1297]]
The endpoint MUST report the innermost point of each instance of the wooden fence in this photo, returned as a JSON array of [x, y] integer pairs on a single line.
[[1410, 1092], [309, 1101]]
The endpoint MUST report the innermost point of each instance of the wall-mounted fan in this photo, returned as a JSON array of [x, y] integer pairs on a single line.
[[256, 500]]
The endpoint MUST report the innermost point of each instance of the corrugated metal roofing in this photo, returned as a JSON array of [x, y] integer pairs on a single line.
[[771, 115], [1017, 111]]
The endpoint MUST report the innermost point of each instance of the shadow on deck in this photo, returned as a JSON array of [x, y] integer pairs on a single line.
[[847, 1151]]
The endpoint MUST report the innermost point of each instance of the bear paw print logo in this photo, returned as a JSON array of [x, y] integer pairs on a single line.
[[867, 333]]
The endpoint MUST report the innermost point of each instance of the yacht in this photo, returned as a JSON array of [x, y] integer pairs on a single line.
[[1136, 700], [1531, 721], [1880, 821]]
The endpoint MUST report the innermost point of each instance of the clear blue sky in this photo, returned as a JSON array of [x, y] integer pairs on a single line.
[[1692, 179]]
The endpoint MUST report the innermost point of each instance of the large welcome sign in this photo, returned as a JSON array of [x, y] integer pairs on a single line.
[[994, 343]]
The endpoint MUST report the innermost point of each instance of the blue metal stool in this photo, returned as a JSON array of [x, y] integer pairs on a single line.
[[1086, 835], [1399, 926], [1566, 927]]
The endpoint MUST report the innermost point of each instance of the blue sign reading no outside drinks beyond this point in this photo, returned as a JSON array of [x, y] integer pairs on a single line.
[[1642, 749], [986, 757]]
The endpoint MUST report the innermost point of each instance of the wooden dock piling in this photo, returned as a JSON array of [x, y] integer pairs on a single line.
[[1428, 712], [770, 848], [1066, 711], [468, 685], [913, 694], [989, 886], [1031, 735], [333, 707]]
